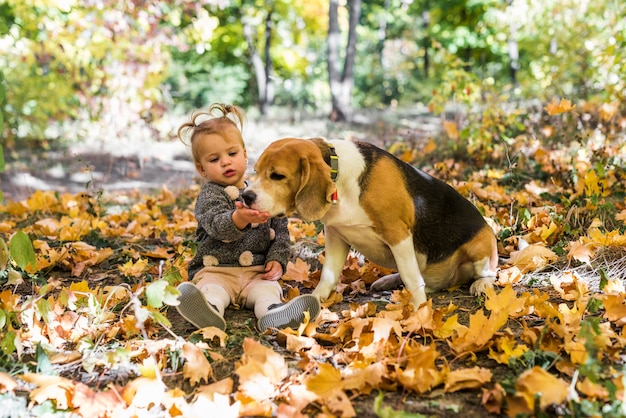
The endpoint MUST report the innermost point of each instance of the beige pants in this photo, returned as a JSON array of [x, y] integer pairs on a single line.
[[241, 286]]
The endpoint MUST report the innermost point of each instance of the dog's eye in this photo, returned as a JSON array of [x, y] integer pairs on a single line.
[[276, 176]]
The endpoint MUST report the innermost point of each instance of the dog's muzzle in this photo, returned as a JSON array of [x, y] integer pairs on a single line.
[[249, 197]]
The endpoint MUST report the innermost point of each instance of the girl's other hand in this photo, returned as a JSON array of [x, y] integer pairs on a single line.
[[273, 271]]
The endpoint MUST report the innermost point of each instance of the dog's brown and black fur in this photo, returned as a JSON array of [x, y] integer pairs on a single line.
[[394, 214]]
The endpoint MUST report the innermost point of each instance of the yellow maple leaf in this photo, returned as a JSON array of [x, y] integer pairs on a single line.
[[579, 251], [615, 309], [467, 379], [420, 374], [260, 370], [537, 382], [508, 300], [298, 271], [196, 367], [53, 388], [382, 328], [326, 381], [508, 276], [621, 216], [136, 269], [556, 108], [158, 252], [532, 258], [592, 390], [480, 332], [507, 349], [143, 391]]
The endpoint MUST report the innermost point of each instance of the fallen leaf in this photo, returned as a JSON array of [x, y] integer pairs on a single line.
[[260, 370], [196, 367], [326, 381], [537, 382], [7, 383], [467, 379], [90, 403], [298, 271], [53, 388], [532, 258]]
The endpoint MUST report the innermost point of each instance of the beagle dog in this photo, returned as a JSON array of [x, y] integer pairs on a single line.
[[391, 212]]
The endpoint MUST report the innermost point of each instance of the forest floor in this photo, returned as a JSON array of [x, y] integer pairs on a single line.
[[119, 167]]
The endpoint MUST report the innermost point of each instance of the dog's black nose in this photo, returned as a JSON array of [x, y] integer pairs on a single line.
[[249, 197]]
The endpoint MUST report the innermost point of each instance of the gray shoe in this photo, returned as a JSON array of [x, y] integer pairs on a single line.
[[290, 314], [195, 308]]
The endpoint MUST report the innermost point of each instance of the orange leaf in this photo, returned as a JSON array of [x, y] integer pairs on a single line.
[[326, 381], [95, 404], [298, 272], [467, 379], [579, 251], [382, 328], [134, 269], [451, 129], [260, 371], [538, 382], [53, 388], [555, 108], [7, 383], [615, 309], [196, 367]]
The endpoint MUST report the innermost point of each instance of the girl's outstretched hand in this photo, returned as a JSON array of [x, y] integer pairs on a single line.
[[244, 216]]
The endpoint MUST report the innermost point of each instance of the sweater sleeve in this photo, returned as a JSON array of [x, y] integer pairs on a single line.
[[214, 214], [279, 248]]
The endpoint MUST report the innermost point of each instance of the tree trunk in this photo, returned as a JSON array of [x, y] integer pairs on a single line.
[[342, 83], [426, 40], [262, 68], [269, 87]]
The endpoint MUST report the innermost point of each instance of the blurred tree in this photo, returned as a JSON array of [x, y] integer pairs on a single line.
[[342, 81], [70, 61]]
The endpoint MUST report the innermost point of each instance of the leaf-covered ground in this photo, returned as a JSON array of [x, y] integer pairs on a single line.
[[88, 329]]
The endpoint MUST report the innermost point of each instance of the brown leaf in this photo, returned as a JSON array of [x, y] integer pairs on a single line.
[[492, 399]]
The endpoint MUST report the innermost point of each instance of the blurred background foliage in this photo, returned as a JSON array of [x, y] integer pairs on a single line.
[[73, 69]]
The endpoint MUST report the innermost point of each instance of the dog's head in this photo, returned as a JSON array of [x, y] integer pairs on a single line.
[[292, 177]]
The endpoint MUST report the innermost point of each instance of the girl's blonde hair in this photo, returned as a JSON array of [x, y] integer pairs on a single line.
[[231, 116]]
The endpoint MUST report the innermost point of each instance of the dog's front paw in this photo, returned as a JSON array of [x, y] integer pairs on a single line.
[[322, 292], [479, 286], [418, 298]]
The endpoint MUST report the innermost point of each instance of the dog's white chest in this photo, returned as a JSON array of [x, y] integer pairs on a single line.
[[355, 228]]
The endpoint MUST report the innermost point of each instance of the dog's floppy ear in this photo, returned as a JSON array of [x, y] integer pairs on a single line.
[[316, 188]]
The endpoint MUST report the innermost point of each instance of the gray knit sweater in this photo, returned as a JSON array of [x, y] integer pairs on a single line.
[[223, 244]]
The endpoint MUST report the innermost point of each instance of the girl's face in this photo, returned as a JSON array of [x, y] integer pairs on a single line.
[[221, 158]]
